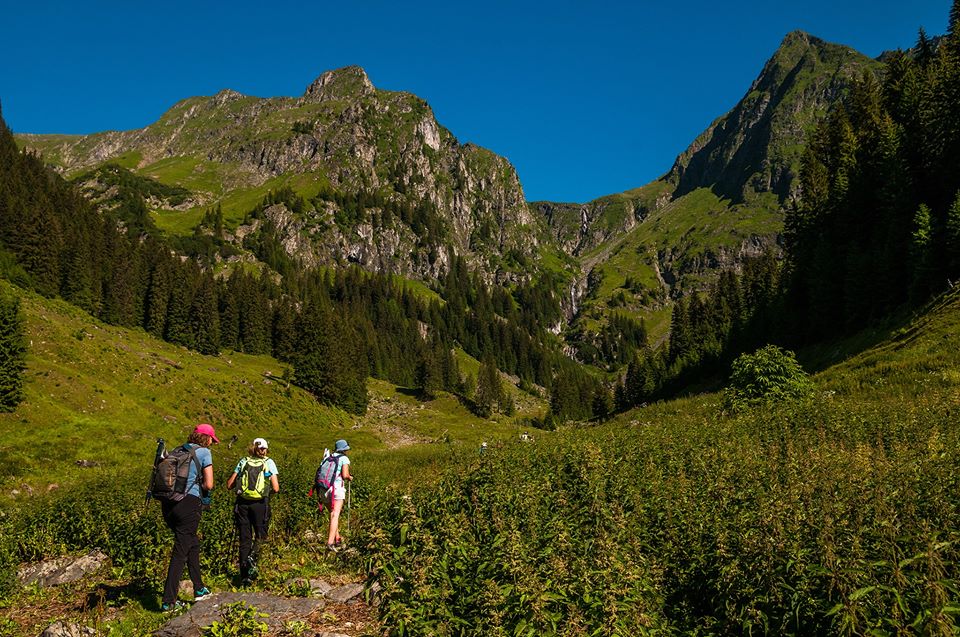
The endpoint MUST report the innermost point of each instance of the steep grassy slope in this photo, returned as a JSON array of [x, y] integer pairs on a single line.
[[101, 393], [676, 249], [756, 147]]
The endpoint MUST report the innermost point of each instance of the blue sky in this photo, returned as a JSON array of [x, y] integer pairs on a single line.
[[585, 99]]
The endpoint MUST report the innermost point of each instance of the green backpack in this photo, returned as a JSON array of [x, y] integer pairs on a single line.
[[253, 479]]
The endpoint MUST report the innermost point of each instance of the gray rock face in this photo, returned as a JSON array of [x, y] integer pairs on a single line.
[[279, 610], [347, 133], [62, 570], [64, 629]]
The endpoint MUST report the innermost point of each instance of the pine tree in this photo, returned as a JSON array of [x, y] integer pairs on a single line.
[[924, 49], [13, 349], [489, 388], [602, 403], [205, 319], [953, 238], [920, 244], [428, 374], [177, 324], [328, 363]]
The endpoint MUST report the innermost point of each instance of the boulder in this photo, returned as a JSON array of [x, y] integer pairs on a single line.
[[345, 593], [279, 611], [62, 570]]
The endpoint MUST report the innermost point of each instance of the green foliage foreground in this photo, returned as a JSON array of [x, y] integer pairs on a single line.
[[823, 518], [833, 515]]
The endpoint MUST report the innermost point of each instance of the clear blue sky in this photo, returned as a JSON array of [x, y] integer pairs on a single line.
[[585, 99]]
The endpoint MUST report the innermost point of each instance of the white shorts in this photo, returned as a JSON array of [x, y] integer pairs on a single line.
[[339, 493]]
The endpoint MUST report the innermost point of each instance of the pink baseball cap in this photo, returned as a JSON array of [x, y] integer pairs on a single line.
[[204, 428]]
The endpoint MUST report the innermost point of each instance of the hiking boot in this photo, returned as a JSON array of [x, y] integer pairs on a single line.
[[333, 548], [201, 594], [170, 608], [246, 582]]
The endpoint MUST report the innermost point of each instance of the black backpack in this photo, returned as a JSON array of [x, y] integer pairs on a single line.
[[170, 475]]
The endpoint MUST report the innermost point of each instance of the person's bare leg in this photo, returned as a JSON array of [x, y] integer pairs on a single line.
[[334, 522]]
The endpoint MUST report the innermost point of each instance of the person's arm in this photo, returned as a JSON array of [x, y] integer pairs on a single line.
[[208, 477], [345, 472], [231, 480], [275, 483]]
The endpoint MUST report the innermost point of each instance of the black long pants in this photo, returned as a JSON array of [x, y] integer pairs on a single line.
[[183, 518], [252, 518]]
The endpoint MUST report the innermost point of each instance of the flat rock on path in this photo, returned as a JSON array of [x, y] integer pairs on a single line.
[[62, 570], [279, 610]]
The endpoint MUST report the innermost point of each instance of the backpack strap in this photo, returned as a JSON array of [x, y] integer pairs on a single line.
[[196, 461]]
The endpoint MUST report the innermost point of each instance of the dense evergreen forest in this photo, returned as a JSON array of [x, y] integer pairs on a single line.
[[333, 327]]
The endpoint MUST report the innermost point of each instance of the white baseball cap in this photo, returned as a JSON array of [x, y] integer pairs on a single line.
[[260, 442]]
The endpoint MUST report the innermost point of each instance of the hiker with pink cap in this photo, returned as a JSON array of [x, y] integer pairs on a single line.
[[182, 513]]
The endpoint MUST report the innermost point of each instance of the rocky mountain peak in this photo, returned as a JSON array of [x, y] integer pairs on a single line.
[[349, 81], [755, 148], [225, 96]]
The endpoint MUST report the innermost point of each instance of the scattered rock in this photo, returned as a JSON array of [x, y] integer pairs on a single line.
[[345, 593], [279, 610], [52, 487], [62, 570], [185, 588], [63, 629], [87, 463], [320, 587]]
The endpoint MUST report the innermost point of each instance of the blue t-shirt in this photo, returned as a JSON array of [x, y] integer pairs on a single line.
[[206, 459]]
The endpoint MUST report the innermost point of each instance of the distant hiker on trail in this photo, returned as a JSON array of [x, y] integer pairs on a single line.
[[329, 484], [257, 478], [182, 507]]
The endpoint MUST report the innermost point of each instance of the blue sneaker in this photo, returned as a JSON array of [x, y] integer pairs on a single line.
[[170, 608], [201, 594]]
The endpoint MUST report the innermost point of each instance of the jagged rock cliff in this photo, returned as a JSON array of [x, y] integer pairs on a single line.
[[756, 147], [344, 135]]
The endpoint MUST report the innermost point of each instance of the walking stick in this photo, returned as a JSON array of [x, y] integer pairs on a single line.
[[349, 484]]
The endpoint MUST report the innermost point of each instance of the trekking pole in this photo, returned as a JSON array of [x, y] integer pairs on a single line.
[[349, 508]]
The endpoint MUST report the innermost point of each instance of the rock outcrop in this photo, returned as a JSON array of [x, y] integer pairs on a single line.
[[347, 136]]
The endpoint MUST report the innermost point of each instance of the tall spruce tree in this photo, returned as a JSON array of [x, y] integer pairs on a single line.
[[13, 349], [489, 388]]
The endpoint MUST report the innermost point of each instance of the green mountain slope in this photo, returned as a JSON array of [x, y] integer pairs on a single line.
[[101, 393], [383, 184], [720, 203], [756, 147]]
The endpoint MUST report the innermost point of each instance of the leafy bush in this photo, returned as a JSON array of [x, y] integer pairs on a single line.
[[769, 375]]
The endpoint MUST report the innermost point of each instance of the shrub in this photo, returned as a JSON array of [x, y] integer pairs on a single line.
[[769, 375]]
